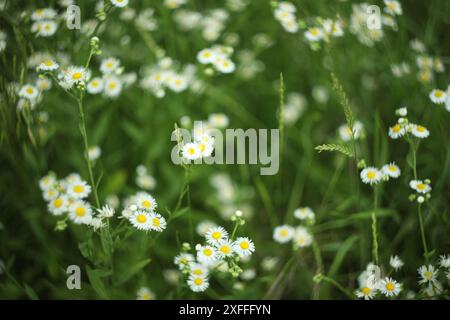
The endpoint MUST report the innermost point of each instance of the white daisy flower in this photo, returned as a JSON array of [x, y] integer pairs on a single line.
[[389, 287], [50, 194], [218, 120], [346, 134], [283, 233], [198, 283], [44, 28], [197, 269], [80, 212], [420, 186], [396, 131], [141, 220], [366, 293], [444, 261], [183, 260], [243, 246], [29, 92], [106, 211], [113, 86], [304, 213], [224, 249], [47, 65], [145, 201], [314, 34], [119, 3], [428, 274], [58, 205], [75, 75], [96, 223], [47, 182], [206, 56], [396, 263], [216, 234], [43, 84], [206, 149], [177, 83], [109, 65], [393, 7], [145, 293], [391, 170], [224, 65], [43, 13], [72, 178], [302, 237], [287, 6], [290, 25], [191, 151], [284, 15], [95, 86], [206, 254], [370, 175], [438, 96], [157, 222], [78, 189]]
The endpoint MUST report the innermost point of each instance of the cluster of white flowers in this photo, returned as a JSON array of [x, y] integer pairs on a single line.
[[429, 276], [29, 95], [285, 13], [362, 15], [404, 128], [68, 196], [400, 70], [323, 31], [211, 23], [139, 209], [219, 57], [220, 252], [370, 283], [345, 133], [294, 107], [371, 175], [143, 179], [422, 190], [248, 65], [44, 24], [300, 235], [426, 64], [163, 75]]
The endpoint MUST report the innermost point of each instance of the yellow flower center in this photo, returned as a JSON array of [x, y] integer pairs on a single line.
[[216, 235], [95, 83], [109, 64], [396, 128], [390, 286], [428, 275], [48, 63], [244, 245], [438, 94], [207, 54], [57, 203], [366, 290], [421, 129], [141, 218], [146, 204], [156, 222], [207, 252], [283, 232], [225, 249], [29, 90], [112, 85], [314, 31], [80, 211], [371, 175], [191, 151], [392, 168], [198, 281], [77, 76], [421, 186], [78, 189], [197, 272]]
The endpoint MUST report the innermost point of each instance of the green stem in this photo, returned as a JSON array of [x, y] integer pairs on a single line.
[[422, 233], [338, 286], [374, 227]]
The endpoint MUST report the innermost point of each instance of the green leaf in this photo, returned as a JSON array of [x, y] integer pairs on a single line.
[[95, 279], [131, 271], [30, 292], [107, 241], [340, 255]]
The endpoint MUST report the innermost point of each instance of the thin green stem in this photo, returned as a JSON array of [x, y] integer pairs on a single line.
[[337, 285], [422, 233], [374, 226]]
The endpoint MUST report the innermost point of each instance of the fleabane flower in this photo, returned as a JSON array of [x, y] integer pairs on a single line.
[[206, 254], [283, 233], [113, 86], [206, 56], [145, 201], [302, 238], [183, 260], [47, 182], [397, 131], [224, 65], [366, 292], [304, 213], [420, 186], [80, 212], [370, 175], [198, 283], [58, 205], [44, 28], [47, 65], [197, 269], [43, 14], [75, 75], [119, 3], [438, 96], [393, 7], [396, 263], [109, 65], [389, 287], [345, 133], [191, 151], [391, 170], [145, 293], [224, 248], [243, 246], [141, 220], [106, 211], [444, 261], [216, 234], [157, 222], [314, 34], [78, 189], [427, 274], [419, 131], [95, 86], [29, 92]]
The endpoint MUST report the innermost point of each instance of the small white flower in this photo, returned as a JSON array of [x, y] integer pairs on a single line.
[[428, 274], [206, 254], [109, 65], [44, 84], [302, 237], [119, 3], [224, 248], [47, 65], [106, 211], [402, 112], [29, 92], [94, 153], [197, 269], [444, 261], [389, 287], [95, 86], [366, 292], [438, 96], [96, 223], [198, 283], [243, 246], [191, 151], [183, 260], [78, 189], [396, 131], [314, 34], [304, 213], [206, 56], [391, 170], [58, 205], [44, 28], [157, 222], [75, 75], [47, 182], [393, 7], [177, 83], [396, 263], [420, 186], [371, 175], [345, 133], [50, 194], [218, 120], [419, 131], [43, 13], [224, 65], [145, 293], [113, 86], [216, 234], [203, 227], [145, 201], [141, 220], [283, 233], [80, 212]]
